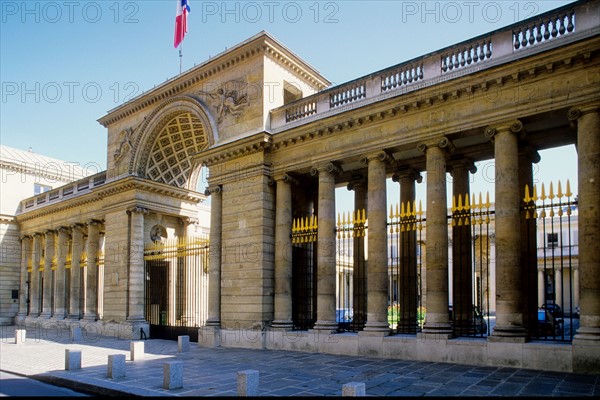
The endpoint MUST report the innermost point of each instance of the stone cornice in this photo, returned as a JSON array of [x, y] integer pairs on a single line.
[[258, 45], [111, 189], [260, 142], [7, 219]]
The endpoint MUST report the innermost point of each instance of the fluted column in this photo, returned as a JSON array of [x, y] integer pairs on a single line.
[[214, 268], [283, 253], [528, 245], [509, 314], [26, 245], [436, 252], [326, 274], [34, 297], [91, 293], [588, 165], [408, 282], [462, 275], [136, 281], [377, 270], [62, 247], [76, 271]]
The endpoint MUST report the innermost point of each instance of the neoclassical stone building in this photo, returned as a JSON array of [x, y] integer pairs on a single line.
[[277, 141]]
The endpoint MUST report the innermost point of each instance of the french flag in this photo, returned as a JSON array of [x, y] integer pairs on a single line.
[[183, 8]]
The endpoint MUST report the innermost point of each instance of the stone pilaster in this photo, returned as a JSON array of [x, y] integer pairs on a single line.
[[24, 288], [62, 248], [326, 269], [462, 287], [436, 251], [135, 273], [586, 351], [75, 311], [509, 297], [214, 268], [408, 277], [283, 253], [377, 271], [91, 291]]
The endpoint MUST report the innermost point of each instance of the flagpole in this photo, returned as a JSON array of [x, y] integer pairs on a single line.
[[180, 56]]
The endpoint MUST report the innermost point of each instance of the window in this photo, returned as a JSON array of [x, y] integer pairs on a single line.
[[552, 240], [38, 188]]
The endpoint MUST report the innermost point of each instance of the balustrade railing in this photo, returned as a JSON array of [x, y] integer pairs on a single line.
[[503, 45]]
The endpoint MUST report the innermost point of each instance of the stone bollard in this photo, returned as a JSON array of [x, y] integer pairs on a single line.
[[247, 382], [116, 366], [75, 335], [72, 359], [353, 389], [136, 350], [173, 375], [183, 343], [20, 335]]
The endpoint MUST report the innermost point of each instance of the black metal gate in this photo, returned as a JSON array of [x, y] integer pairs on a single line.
[[176, 287]]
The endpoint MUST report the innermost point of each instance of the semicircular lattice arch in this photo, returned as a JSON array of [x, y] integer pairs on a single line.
[[170, 135], [170, 160]]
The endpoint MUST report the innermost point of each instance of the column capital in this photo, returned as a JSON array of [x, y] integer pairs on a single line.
[[286, 178], [63, 229], [575, 112], [189, 220], [93, 222], [137, 209], [213, 189], [407, 174], [77, 225], [36, 234], [25, 237], [514, 126], [531, 153], [49, 231], [380, 155], [443, 143], [331, 167], [464, 163]]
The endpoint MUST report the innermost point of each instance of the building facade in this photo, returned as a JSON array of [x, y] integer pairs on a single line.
[[277, 141]]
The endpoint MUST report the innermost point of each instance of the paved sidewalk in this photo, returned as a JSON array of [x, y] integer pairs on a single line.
[[213, 372]]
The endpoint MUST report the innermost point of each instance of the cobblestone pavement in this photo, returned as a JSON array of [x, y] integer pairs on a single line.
[[213, 372]]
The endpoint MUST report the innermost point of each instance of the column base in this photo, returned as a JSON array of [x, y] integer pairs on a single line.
[[282, 325], [209, 336], [441, 329], [509, 331], [45, 315], [213, 323], [587, 334], [324, 327], [376, 329]]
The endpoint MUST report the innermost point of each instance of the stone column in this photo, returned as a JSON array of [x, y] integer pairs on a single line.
[[59, 312], [377, 270], [34, 310], [462, 262], [24, 288], [509, 314], [91, 291], [359, 270], [47, 286], [76, 271], [588, 165], [408, 296], [135, 274], [214, 267], [283, 253], [436, 253], [326, 242], [528, 245]]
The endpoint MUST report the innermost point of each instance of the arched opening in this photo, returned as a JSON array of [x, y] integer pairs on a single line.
[[170, 157]]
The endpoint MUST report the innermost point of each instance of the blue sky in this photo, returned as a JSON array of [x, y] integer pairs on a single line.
[[64, 64]]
